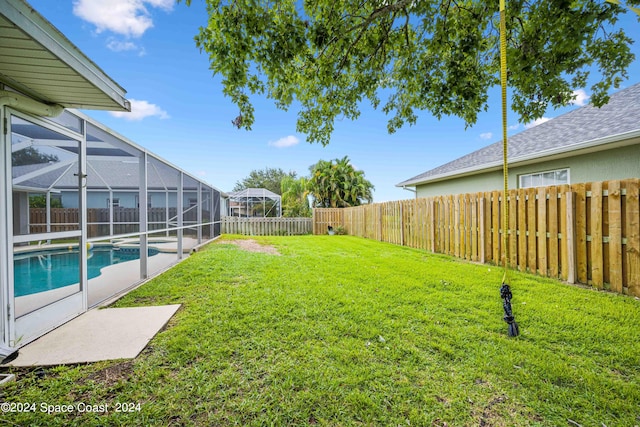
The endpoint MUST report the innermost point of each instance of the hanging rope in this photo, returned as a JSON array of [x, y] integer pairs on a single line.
[[505, 290]]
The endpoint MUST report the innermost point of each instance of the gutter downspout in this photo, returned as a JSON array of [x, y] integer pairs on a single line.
[[31, 106], [404, 187]]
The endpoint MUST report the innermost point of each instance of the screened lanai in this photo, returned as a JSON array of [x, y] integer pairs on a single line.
[[76, 191], [45, 174], [254, 202], [85, 213]]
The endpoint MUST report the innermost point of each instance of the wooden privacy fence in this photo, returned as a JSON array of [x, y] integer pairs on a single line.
[[586, 233], [68, 219], [61, 219], [266, 226]]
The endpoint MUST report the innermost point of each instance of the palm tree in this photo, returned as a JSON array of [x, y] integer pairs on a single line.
[[337, 184], [295, 202]]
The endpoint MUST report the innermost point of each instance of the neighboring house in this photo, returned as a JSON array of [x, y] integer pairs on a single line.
[[587, 144]]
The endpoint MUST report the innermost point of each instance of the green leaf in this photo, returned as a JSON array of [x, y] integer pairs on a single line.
[[337, 184], [330, 58]]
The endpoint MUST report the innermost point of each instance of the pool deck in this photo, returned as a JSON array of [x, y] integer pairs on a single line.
[[113, 281], [102, 333], [99, 334]]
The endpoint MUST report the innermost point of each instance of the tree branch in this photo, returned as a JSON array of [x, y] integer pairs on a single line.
[[386, 10]]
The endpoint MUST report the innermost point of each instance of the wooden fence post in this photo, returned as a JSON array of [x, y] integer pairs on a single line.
[[456, 226], [597, 258], [482, 230], [512, 229], [614, 203], [552, 226], [496, 226], [379, 231], [432, 212], [315, 222], [570, 238], [542, 232], [632, 251], [522, 230], [532, 252], [401, 224]]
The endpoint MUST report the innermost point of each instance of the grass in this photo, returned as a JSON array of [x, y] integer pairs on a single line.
[[342, 331]]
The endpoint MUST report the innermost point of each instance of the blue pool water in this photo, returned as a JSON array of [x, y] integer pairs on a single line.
[[45, 270]]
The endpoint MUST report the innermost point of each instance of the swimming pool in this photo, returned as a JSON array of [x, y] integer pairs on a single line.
[[41, 271]]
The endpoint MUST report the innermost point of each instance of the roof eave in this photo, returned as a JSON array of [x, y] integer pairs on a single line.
[[43, 32], [599, 144]]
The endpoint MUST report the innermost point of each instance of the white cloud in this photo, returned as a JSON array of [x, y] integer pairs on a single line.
[[119, 46], [141, 110], [162, 4], [514, 127], [537, 122], [126, 17], [486, 135], [287, 141], [580, 97], [125, 46]]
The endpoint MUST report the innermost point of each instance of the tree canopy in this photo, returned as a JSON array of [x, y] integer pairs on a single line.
[[294, 197], [439, 56], [40, 201], [269, 178], [337, 184]]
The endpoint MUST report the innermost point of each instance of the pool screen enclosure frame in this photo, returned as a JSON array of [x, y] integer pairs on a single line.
[[71, 184]]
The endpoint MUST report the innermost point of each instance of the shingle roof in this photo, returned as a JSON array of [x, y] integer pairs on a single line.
[[567, 132]]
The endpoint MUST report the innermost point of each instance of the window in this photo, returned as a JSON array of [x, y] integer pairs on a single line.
[[113, 202], [148, 201], [193, 202], [543, 179]]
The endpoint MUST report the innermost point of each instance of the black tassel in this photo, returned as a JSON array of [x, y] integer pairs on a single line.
[[505, 294]]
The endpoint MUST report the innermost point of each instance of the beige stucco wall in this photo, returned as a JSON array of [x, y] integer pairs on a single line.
[[617, 163], [470, 184]]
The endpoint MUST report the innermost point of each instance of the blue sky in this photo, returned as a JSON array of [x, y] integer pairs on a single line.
[[180, 114]]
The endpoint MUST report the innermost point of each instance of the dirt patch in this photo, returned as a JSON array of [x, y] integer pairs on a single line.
[[113, 374], [253, 246]]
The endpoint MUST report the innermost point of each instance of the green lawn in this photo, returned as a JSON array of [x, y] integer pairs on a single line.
[[342, 331]]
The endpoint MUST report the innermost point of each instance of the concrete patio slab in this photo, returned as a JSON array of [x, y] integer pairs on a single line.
[[99, 334]]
